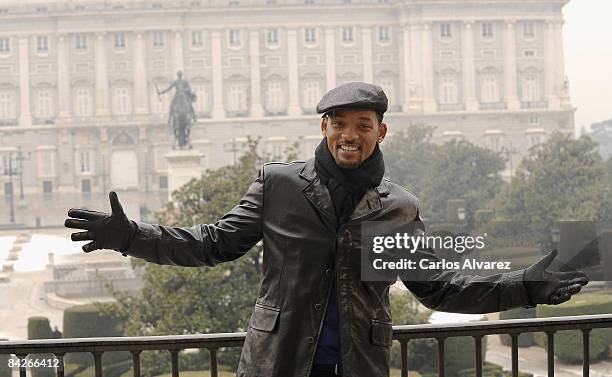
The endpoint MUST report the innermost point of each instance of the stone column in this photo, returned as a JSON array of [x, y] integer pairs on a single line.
[[550, 70], [510, 76], [429, 103], [256, 110], [25, 116], [366, 36], [416, 76], [218, 111], [140, 76], [407, 80], [469, 81], [102, 94], [177, 52], [63, 78], [330, 58], [294, 101], [561, 91]]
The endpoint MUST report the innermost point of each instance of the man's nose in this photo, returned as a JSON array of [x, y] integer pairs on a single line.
[[349, 134]]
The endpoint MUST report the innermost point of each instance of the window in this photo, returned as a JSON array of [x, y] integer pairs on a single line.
[[5, 45], [156, 5], [84, 162], [237, 98], [47, 187], [448, 89], [196, 38], [384, 34], [234, 37], [530, 88], [80, 42], [495, 142], [7, 105], [312, 95], [85, 186], [119, 40], [6, 165], [310, 35], [163, 182], [388, 86], [201, 103], [535, 136], [534, 120], [272, 37], [445, 31], [487, 30], [347, 34], [528, 30], [83, 103], [121, 101], [529, 53], [275, 103], [489, 90], [8, 189], [158, 39], [44, 104], [46, 163], [42, 44]]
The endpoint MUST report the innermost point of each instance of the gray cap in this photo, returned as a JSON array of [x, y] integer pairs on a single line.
[[354, 94]]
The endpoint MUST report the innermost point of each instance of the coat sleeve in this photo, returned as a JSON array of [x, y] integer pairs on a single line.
[[204, 244], [451, 291]]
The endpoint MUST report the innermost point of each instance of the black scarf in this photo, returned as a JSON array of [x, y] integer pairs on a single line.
[[347, 186]]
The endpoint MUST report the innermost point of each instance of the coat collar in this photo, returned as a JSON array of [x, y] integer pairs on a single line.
[[320, 198]]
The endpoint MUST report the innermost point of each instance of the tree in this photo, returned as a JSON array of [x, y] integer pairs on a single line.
[[560, 179], [437, 173]]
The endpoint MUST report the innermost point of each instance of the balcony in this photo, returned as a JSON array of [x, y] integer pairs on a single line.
[[403, 334], [534, 105]]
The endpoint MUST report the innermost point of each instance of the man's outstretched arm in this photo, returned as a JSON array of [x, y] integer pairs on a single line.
[[451, 291], [200, 245]]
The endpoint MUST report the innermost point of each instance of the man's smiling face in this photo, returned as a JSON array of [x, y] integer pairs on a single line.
[[352, 135]]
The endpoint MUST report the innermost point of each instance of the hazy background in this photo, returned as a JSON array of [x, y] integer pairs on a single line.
[[588, 58]]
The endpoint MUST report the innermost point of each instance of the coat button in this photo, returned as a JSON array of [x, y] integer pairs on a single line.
[[310, 340], [318, 307], [327, 272]]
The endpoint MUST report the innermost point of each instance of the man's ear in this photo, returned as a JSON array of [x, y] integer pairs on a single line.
[[324, 125], [382, 131]]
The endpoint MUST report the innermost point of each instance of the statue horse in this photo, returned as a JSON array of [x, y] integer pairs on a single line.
[[181, 117]]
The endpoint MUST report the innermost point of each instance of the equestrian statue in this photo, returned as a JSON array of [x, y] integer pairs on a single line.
[[182, 113]]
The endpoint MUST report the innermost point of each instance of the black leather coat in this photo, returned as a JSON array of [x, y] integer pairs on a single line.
[[291, 210]]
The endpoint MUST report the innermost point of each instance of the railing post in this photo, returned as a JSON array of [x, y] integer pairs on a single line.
[[136, 362], [60, 364], [550, 340], [22, 363], [441, 356], [98, 363], [478, 349], [174, 357], [213, 362], [404, 353], [515, 368], [586, 362]]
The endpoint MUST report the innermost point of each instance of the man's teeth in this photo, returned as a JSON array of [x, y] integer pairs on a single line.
[[348, 148]]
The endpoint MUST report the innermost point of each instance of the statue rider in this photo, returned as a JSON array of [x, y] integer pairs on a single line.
[[183, 96]]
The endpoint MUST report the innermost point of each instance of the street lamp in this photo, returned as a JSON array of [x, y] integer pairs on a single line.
[[231, 147], [20, 158]]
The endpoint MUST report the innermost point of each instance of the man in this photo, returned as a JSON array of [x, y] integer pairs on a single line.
[[313, 315]]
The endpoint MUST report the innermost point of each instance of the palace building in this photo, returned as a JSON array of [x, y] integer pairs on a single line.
[[78, 81]]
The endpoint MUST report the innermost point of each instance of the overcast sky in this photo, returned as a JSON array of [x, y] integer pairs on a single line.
[[588, 58]]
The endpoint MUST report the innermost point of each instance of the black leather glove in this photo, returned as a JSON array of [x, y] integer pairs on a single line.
[[551, 287], [112, 231]]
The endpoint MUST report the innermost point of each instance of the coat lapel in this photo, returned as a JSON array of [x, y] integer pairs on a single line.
[[318, 195]]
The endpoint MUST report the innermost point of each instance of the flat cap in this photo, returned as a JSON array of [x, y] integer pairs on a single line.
[[354, 94]]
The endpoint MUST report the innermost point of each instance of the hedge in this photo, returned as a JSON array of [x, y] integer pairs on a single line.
[[525, 339], [86, 321], [568, 344], [39, 328]]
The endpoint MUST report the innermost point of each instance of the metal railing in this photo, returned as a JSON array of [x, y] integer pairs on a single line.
[[212, 342]]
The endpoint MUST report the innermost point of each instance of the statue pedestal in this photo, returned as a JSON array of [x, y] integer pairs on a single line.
[[183, 165]]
